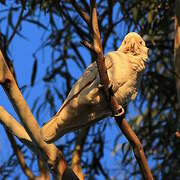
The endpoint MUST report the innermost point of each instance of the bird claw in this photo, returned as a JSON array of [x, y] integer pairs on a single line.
[[119, 112], [110, 87]]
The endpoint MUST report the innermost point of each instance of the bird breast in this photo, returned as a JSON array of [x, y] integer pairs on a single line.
[[125, 75]]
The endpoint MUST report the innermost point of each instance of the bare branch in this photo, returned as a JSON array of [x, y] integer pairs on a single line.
[[88, 45], [48, 151], [8, 83], [20, 157], [95, 28], [177, 50], [43, 169], [14, 127], [137, 147], [117, 110], [75, 48], [77, 153], [78, 30], [81, 12], [85, 4], [16, 27]]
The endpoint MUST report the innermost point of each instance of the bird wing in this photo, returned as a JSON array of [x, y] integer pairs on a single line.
[[90, 74]]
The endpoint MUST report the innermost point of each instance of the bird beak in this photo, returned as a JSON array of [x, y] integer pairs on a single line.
[[132, 45]]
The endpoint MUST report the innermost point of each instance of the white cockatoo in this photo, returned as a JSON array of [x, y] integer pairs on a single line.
[[86, 102]]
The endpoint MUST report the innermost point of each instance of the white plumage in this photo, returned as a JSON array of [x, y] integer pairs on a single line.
[[86, 103]]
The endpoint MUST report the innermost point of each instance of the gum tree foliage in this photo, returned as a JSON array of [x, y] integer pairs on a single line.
[[156, 120]]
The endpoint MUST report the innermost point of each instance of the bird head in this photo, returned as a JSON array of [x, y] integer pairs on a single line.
[[134, 44]]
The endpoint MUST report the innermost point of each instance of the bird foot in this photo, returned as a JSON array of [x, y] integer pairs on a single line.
[[110, 86]]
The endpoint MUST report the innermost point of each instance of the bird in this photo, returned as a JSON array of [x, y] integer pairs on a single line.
[[86, 103]]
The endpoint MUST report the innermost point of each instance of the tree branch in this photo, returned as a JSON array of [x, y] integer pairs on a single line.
[[115, 107], [17, 129], [49, 152], [78, 30], [14, 127], [20, 157], [177, 50], [81, 12], [77, 153], [137, 147], [9, 85], [16, 27], [43, 169], [117, 110], [88, 45]]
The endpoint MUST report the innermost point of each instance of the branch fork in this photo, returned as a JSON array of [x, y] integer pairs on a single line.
[[29, 133]]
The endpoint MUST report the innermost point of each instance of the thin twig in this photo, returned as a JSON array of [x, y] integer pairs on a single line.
[[20, 157], [88, 45], [75, 48], [81, 12], [16, 27], [78, 30]]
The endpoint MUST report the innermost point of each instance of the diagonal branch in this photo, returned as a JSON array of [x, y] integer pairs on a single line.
[[78, 30], [115, 107], [16, 27], [88, 45], [77, 153], [15, 128], [43, 169], [20, 157], [117, 110], [81, 12], [136, 145]]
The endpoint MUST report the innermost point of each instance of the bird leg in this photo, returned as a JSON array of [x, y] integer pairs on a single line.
[[120, 110]]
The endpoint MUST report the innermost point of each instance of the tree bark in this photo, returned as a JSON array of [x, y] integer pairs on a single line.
[[177, 48], [177, 55], [77, 153]]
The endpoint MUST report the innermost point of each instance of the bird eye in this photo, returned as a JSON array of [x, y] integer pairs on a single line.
[[124, 42], [140, 42]]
